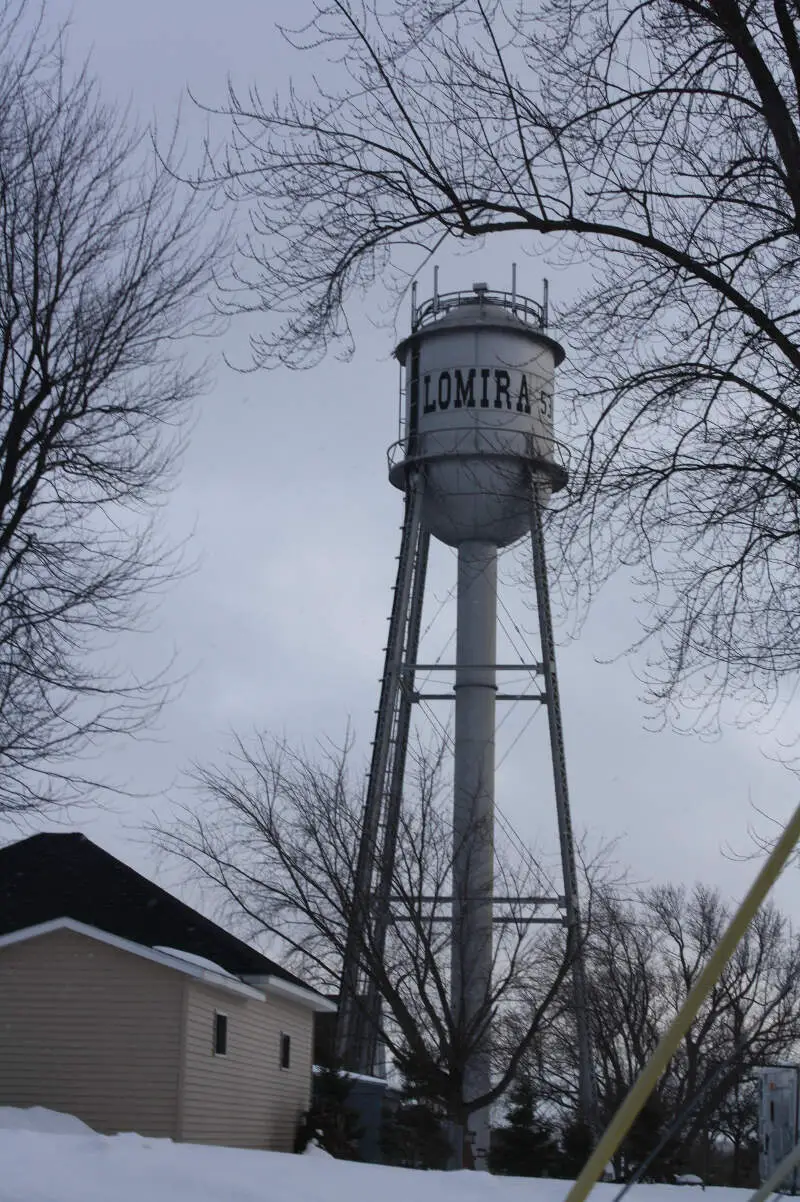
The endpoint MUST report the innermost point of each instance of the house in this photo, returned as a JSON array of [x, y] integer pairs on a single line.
[[124, 1006]]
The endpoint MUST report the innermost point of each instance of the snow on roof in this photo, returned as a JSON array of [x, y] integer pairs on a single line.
[[198, 961], [343, 1072]]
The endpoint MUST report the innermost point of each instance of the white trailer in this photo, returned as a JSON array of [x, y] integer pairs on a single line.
[[778, 1120]]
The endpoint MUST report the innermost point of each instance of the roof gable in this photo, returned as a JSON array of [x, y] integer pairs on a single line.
[[219, 979]]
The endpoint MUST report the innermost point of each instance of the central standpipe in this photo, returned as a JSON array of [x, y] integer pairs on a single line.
[[473, 822]]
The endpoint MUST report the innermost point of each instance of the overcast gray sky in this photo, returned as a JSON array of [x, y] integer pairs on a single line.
[[296, 530]]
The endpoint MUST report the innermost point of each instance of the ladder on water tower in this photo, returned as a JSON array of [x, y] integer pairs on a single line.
[[359, 1001]]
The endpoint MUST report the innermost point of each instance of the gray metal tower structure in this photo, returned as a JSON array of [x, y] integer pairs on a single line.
[[476, 464]]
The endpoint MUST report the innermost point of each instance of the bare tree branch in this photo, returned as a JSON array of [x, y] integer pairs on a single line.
[[276, 831], [102, 268], [659, 139]]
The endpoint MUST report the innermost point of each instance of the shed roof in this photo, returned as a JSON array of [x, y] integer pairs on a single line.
[[65, 875]]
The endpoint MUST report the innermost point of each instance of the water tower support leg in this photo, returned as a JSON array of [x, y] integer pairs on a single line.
[[586, 1082], [395, 773], [473, 816], [353, 1020]]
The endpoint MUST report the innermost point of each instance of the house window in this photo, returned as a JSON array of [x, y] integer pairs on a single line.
[[220, 1034], [286, 1050]]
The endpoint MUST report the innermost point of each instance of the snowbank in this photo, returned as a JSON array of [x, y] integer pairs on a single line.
[[314, 1149], [45, 1122], [39, 1166]]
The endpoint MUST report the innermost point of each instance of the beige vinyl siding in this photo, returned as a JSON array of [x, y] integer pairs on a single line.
[[90, 1030], [245, 1098]]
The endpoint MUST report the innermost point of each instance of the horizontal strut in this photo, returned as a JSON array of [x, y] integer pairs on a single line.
[[560, 921], [540, 697], [454, 667], [527, 901]]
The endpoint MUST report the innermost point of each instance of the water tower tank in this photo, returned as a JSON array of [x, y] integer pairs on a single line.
[[479, 371]]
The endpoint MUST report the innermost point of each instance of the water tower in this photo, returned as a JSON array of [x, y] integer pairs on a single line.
[[476, 463]]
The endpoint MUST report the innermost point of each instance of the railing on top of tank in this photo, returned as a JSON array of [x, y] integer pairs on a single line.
[[527, 310], [400, 455]]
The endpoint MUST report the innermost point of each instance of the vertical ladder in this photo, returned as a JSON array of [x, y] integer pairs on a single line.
[[586, 1082], [393, 798], [359, 1000]]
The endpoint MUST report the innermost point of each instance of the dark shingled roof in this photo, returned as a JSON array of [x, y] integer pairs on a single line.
[[52, 876]]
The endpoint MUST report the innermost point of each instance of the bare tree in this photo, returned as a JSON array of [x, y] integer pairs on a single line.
[[625, 998], [643, 956], [752, 1016], [102, 266], [659, 140], [277, 831], [736, 1121]]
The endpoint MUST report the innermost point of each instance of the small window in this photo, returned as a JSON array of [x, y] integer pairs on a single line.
[[220, 1034], [286, 1050]]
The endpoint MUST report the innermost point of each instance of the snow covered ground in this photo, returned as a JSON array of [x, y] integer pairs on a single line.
[[45, 1157]]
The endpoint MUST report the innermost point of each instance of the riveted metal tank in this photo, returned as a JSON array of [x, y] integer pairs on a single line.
[[479, 372]]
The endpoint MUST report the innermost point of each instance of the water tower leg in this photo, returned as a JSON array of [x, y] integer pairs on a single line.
[[586, 1081], [395, 770], [356, 1024], [473, 816]]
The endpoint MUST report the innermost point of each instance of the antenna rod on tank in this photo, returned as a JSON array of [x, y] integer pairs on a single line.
[[436, 289], [513, 287], [545, 301], [413, 305]]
